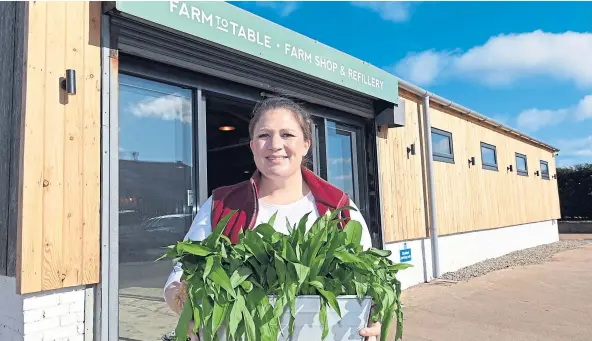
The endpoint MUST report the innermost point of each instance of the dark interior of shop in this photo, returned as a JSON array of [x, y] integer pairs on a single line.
[[229, 155]]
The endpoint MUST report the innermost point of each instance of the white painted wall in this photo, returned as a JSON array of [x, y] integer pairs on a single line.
[[461, 250], [46, 316]]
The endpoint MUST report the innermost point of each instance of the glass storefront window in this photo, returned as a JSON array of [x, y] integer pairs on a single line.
[[156, 199]]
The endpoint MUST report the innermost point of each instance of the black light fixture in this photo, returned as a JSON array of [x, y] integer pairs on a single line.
[[472, 161], [69, 84], [511, 168], [411, 149], [536, 173]]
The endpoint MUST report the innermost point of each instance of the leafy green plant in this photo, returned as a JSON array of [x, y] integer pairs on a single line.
[[231, 284]]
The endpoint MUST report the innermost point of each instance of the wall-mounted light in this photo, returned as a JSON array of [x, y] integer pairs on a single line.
[[554, 176], [411, 149], [536, 173], [226, 128], [511, 168], [472, 161], [69, 83]]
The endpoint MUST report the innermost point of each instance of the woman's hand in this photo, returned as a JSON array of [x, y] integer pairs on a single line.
[[372, 332], [191, 335]]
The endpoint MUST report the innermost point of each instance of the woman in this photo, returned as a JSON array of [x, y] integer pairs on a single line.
[[281, 135]]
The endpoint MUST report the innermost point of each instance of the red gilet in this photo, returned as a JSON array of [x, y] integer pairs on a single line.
[[243, 197]]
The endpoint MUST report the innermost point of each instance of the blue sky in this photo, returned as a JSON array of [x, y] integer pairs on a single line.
[[526, 64]]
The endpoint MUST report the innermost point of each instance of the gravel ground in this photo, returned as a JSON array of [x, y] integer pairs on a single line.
[[535, 255]]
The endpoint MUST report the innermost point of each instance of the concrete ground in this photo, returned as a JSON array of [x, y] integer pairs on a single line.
[[549, 301]]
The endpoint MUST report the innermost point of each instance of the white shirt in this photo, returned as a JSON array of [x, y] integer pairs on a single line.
[[202, 227]]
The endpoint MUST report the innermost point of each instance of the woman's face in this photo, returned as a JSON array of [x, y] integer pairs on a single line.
[[278, 144]]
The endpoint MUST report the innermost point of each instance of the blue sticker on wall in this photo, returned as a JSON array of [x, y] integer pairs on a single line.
[[405, 254]]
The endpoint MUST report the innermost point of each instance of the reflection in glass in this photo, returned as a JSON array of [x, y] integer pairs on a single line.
[[488, 155], [340, 165], [155, 198], [521, 163], [544, 168], [441, 144]]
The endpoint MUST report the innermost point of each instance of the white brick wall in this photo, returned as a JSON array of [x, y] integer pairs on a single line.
[[46, 316]]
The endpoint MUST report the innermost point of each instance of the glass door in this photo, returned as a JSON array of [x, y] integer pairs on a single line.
[[342, 162], [157, 196]]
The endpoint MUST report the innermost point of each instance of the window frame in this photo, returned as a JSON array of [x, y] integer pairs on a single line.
[[518, 171], [543, 176], [489, 166], [448, 158]]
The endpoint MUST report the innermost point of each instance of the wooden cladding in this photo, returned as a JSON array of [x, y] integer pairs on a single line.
[[60, 225], [468, 197], [403, 199], [475, 197]]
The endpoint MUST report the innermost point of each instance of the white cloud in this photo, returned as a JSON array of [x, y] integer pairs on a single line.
[[507, 58], [424, 67], [581, 147], [283, 8], [584, 108], [574, 151], [391, 11], [169, 107], [534, 119]]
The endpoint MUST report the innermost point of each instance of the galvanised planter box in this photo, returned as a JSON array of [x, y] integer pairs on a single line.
[[307, 327]]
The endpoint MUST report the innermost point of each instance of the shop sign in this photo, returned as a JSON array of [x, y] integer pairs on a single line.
[[230, 26]]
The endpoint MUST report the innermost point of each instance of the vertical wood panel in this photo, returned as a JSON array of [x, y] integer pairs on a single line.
[[91, 146], [73, 156], [53, 161], [402, 179], [59, 227], [30, 253]]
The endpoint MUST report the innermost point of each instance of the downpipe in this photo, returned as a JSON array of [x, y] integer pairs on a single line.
[[433, 218]]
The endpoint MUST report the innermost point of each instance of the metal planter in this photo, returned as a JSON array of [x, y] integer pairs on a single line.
[[355, 315]]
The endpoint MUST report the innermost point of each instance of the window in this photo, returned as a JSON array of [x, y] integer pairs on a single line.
[[521, 164], [342, 158], [442, 146], [488, 156], [544, 170]]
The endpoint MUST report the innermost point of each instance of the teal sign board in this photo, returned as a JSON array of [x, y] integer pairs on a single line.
[[405, 254], [230, 26]]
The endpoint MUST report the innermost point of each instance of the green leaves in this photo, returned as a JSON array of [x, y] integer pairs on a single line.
[[230, 285], [183, 324], [353, 230]]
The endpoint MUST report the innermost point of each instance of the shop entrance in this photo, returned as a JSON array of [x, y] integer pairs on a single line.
[[229, 156], [180, 136]]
